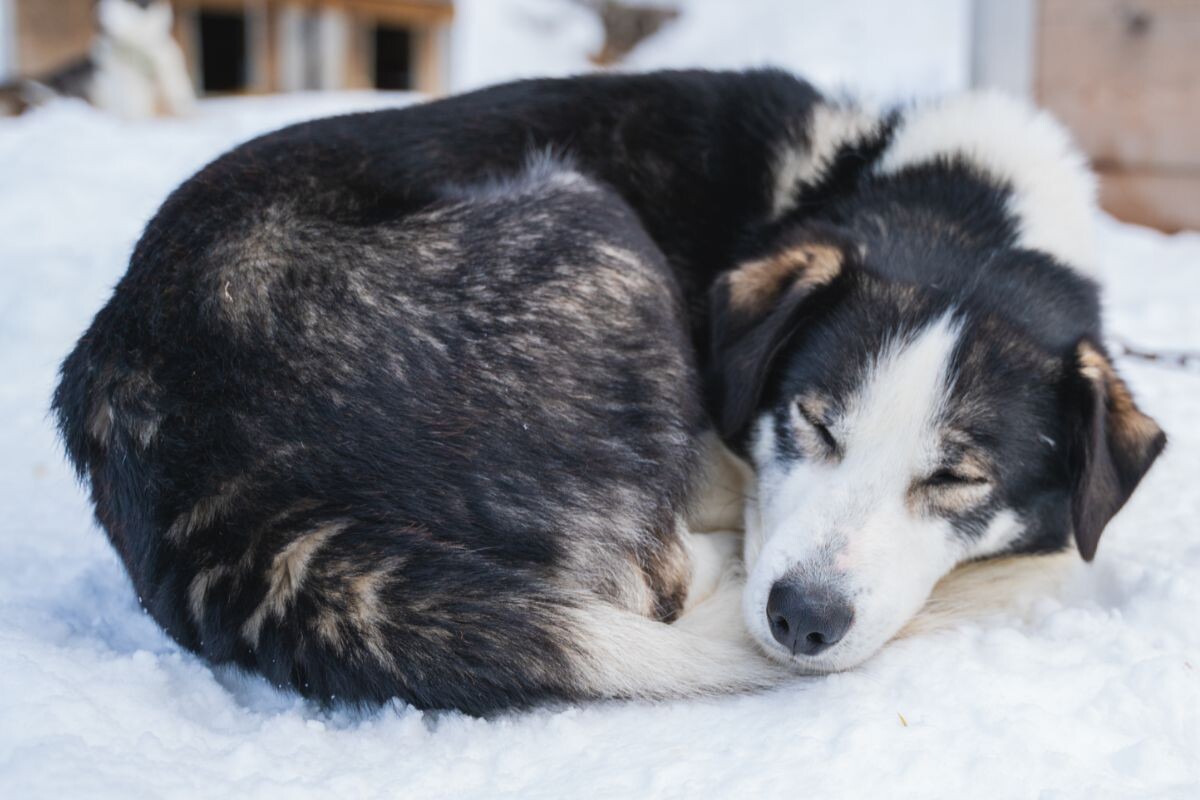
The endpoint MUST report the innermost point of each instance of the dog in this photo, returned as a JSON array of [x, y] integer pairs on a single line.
[[419, 403], [915, 369], [135, 68]]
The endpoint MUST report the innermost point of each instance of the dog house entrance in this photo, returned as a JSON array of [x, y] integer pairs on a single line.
[[223, 66], [393, 58]]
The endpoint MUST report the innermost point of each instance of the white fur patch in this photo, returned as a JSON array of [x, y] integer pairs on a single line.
[[1054, 192], [707, 651], [830, 128], [140, 68], [1004, 529], [713, 557], [134, 25], [541, 170], [720, 494]]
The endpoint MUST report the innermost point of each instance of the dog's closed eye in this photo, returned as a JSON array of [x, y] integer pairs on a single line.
[[946, 477], [812, 430], [951, 490]]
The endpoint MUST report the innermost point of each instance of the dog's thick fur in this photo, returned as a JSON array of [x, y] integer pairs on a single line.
[[408, 404]]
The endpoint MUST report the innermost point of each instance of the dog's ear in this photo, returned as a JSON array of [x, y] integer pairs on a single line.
[[754, 310], [1115, 444]]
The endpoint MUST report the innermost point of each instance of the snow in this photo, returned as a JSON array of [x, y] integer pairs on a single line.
[[855, 46], [1093, 692]]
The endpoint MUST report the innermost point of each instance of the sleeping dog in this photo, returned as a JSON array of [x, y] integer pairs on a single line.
[[414, 403]]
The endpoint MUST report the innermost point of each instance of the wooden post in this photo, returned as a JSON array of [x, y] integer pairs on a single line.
[[49, 35], [1124, 75]]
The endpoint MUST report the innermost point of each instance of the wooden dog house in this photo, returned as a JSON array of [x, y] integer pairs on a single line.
[[255, 46], [289, 45]]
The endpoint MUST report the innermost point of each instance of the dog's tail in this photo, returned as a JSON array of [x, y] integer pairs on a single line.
[[353, 610], [707, 651], [349, 611]]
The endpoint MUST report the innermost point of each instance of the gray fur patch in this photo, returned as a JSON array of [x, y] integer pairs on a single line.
[[286, 575]]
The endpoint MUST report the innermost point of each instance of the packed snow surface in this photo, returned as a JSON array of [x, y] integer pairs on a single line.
[[1094, 692], [880, 50]]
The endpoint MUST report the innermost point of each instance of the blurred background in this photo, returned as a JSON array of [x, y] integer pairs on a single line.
[[1124, 75]]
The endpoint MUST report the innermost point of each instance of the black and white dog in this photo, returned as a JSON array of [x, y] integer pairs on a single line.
[[409, 404], [134, 68]]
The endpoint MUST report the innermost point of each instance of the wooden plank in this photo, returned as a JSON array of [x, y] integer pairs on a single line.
[[216, 5], [398, 12], [270, 75], [260, 66], [1125, 77], [1168, 200], [50, 35], [360, 54], [429, 59]]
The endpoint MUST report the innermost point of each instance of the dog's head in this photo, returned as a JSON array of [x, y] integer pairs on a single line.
[[900, 428], [135, 21]]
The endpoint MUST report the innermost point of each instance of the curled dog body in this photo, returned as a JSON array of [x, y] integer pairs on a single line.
[[414, 403]]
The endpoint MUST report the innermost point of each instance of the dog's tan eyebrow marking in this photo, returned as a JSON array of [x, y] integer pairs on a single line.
[[814, 410], [956, 437], [970, 475], [961, 453], [814, 407], [973, 465], [948, 499]]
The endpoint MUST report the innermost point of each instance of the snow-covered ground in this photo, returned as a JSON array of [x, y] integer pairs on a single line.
[[878, 49], [1093, 693]]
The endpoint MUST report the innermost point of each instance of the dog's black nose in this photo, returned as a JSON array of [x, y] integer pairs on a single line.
[[806, 621]]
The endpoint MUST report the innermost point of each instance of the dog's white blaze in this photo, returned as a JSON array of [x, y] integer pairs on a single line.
[[847, 526], [1054, 193]]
